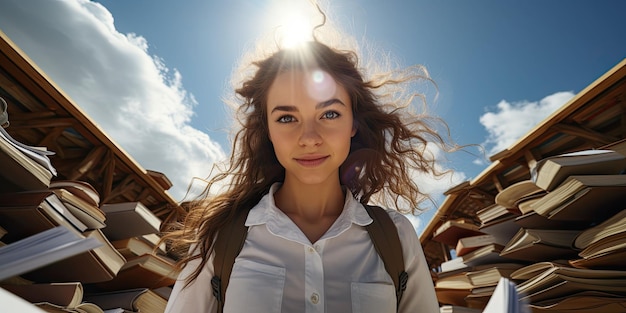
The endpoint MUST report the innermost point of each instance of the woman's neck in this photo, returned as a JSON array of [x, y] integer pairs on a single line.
[[310, 202], [313, 208]]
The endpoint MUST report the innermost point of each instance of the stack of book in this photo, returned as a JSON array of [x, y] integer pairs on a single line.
[[30, 212], [61, 236], [146, 266], [574, 248], [565, 229], [57, 242], [62, 250], [471, 276]]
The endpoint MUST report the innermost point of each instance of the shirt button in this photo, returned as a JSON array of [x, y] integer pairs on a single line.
[[311, 250], [315, 298]]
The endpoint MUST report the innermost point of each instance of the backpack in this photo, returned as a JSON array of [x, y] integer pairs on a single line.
[[382, 231]]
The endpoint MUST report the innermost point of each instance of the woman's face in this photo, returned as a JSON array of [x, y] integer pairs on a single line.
[[310, 125]]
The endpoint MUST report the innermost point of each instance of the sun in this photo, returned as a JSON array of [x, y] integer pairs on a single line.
[[295, 31], [292, 21]]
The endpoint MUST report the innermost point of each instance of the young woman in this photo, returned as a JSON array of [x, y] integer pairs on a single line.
[[317, 142]]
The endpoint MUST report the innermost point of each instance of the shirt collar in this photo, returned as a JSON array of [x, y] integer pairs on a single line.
[[266, 212]]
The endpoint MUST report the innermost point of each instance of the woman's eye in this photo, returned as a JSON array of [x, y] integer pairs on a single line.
[[286, 119], [330, 115]]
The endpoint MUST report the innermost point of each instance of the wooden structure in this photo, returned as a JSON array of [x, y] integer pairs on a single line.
[[40, 114], [594, 118]]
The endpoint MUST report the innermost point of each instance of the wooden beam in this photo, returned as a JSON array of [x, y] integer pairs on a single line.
[[78, 140], [479, 194], [94, 156], [498, 182], [121, 188], [144, 193], [50, 139], [162, 211], [17, 93], [531, 157], [107, 183], [44, 123], [27, 116], [445, 251], [584, 132]]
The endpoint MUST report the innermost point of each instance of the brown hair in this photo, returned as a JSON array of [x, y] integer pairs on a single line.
[[389, 146]]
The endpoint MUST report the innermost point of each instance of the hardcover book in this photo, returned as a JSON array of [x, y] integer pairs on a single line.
[[129, 219], [551, 172], [451, 231]]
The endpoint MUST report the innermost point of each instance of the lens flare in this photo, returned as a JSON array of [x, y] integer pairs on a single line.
[[320, 85]]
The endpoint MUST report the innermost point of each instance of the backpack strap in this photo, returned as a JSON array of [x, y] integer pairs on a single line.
[[384, 235], [227, 246]]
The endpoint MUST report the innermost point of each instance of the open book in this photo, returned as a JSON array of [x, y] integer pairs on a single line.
[[19, 169], [67, 294], [521, 191], [584, 198], [612, 226], [41, 249], [37, 154], [540, 244], [552, 171], [559, 281]]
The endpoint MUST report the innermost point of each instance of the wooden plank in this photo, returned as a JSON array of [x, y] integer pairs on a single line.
[[93, 158], [584, 132]]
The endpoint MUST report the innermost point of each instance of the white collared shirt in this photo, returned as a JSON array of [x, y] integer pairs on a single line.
[[279, 270]]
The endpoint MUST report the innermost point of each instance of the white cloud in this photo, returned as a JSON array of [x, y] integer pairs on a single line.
[[438, 185], [511, 121], [435, 187], [479, 162], [132, 95]]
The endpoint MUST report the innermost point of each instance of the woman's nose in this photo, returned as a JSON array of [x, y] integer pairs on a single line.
[[310, 135]]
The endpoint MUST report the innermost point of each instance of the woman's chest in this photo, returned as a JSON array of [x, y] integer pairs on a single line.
[[340, 274]]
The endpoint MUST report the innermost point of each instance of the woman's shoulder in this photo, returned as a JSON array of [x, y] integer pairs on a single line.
[[406, 231], [399, 219]]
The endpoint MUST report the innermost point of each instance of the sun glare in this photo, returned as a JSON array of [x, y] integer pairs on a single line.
[[292, 20], [294, 32]]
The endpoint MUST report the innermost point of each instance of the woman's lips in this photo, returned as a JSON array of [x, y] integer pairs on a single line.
[[312, 161]]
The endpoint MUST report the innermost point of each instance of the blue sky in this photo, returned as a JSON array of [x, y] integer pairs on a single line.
[[152, 73], [479, 52]]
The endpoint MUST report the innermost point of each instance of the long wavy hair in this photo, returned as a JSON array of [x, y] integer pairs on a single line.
[[389, 148]]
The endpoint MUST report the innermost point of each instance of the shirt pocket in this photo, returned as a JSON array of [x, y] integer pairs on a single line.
[[373, 297], [255, 287]]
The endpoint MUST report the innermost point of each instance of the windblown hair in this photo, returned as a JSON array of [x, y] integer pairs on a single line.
[[388, 149]]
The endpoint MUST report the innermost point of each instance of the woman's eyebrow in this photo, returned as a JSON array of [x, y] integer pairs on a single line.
[[321, 105], [286, 108], [326, 103]]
